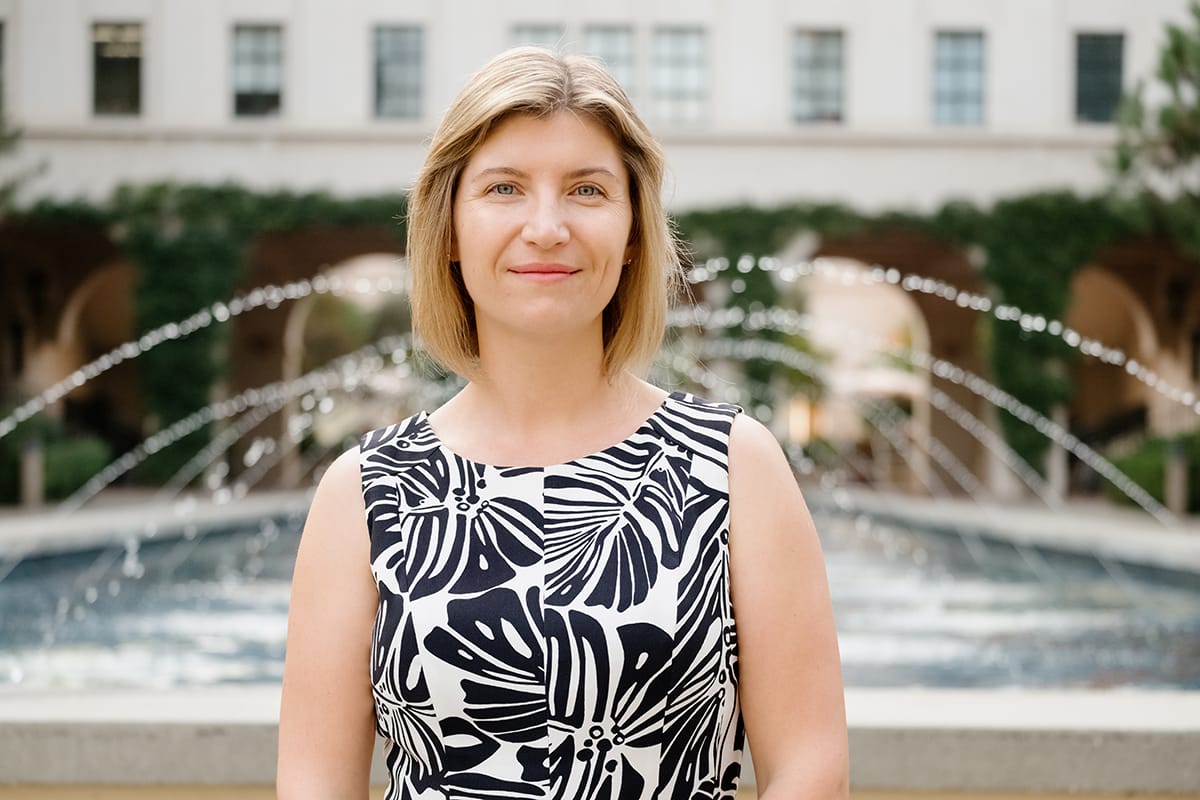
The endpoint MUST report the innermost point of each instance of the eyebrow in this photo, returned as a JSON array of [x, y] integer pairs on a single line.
[[516, 173]]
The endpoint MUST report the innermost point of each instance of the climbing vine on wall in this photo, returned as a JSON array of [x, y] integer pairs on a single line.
[[1032, 246], [191, 243]]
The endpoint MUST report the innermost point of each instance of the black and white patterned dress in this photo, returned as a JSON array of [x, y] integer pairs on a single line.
[[562, 631]]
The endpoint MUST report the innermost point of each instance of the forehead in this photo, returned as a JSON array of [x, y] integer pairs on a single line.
[[562, 139]]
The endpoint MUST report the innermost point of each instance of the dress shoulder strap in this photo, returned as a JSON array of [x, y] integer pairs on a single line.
[[699, 425]]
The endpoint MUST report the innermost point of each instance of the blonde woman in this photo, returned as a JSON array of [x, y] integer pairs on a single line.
[[564, 582]]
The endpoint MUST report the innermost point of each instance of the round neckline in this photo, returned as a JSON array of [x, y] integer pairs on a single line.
[[423, 420]]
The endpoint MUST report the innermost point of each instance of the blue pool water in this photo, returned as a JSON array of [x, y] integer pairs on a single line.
[[913, 608]]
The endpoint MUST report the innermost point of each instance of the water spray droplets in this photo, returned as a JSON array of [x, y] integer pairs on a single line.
[[270, 296], [796, 322], [850, 274]]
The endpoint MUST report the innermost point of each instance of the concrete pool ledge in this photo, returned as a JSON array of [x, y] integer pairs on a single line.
[[1117, 742], [1093, 529]]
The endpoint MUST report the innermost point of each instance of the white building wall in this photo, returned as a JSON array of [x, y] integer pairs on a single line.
[[887, 152]]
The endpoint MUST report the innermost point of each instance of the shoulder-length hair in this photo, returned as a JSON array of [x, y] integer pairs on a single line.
[[538, 82]]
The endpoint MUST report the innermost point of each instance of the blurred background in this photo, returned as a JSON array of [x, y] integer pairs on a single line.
[[948, 250], [162, 156]]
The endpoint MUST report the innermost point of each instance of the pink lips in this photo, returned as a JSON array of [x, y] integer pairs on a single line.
[[544, 273]]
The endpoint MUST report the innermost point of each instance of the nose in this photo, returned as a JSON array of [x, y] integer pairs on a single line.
[[546, 227]]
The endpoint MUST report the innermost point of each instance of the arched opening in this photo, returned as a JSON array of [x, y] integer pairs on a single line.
[[1109, 409], [858, 327], [98, 317], [322, 327]]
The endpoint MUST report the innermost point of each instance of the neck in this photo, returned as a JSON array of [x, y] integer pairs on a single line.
[[540, 382], [542, 402]]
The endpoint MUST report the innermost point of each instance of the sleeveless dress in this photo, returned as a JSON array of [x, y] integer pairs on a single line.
[[561, 631]]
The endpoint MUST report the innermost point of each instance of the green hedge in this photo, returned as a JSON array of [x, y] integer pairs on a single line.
[[69, 461], [1146, 466], [190, 244]]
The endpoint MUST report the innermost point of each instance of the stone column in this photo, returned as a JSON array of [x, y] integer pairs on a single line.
[[1056, 456], [33, 473], [1175, 481]]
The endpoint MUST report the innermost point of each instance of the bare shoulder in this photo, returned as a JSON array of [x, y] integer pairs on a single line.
[[337, 515], [767, 511], [342, 480], [754, 456]]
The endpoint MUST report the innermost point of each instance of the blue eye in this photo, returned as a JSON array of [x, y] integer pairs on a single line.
[[504, 189], [588, 190]]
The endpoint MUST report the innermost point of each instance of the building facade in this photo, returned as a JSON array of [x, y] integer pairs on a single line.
[[874, 103]]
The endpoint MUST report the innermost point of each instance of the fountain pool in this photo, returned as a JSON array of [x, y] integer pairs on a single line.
[[914, 608]]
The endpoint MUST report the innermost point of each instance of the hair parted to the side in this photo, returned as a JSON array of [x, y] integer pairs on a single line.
[[536, 81]]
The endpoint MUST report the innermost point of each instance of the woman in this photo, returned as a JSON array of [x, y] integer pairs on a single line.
[[531, 592]]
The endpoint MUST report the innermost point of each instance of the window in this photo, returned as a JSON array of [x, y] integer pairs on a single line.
[[817, 76], [398, 72], [613, 45], [680, 80], [958, 74], [116, 68], [541, 35], [1098, 63], [257, 70]]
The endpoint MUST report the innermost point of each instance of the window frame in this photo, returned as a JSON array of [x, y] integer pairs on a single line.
[[281, 104], [1077, 39], [682, 107], [958, 92], [515, 40], [139, 97], [630, 32], [419, 85], [796, 89]]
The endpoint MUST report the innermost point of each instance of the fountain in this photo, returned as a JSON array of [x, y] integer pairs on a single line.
[[193, 591]]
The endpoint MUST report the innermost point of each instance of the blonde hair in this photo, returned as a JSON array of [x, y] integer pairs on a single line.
[[538, 82]]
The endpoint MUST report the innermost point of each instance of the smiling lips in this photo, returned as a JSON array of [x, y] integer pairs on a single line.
[[544, 273]]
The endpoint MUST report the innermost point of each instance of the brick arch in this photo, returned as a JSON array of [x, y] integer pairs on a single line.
[[951, 329], [257, 344], [42, 265]]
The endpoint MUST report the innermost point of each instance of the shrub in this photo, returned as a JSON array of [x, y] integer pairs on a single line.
[[70, 463], [1146, 466]]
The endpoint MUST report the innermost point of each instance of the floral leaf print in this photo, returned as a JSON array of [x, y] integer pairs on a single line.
[[495, 641], [403, 711], [560, 631], [610, 519], [477, 539]]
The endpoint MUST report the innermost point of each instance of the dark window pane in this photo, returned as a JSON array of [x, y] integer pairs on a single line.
[[116, 68], [1098, 65]]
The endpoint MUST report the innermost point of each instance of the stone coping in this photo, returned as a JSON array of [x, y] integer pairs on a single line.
[[1110, 742], [135, 516], [1099, 529]]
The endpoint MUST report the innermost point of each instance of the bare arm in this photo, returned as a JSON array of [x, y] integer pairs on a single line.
[[790, 671], [327, 715]]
